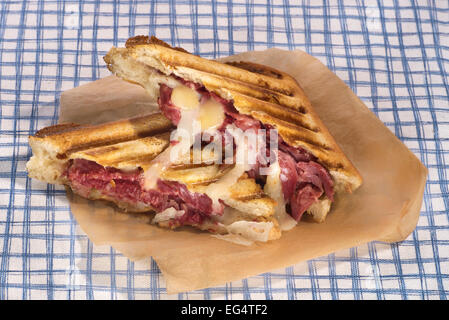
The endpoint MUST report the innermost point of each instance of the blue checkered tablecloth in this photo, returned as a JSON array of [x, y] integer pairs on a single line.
[[395, 57]]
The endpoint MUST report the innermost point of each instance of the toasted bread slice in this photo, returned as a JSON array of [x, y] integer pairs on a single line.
[[53, 146], [131, 144], [268, 95]]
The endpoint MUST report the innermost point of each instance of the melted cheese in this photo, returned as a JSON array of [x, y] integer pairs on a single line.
[[273, 188], [220, 189], [185, 98], [211, 115], [188, 101], [158, 165], [184, 134]]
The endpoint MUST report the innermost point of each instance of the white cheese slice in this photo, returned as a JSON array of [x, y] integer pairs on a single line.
[[185, 98], [273, 188], [211, 115]]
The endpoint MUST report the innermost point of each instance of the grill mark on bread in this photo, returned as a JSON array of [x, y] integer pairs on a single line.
[[103, 150], [315, 144], [138, 40], [252, 67], [57, 129], [282, 120], [105, 143], [332, 165], [249, 197], [264, 94], [288, 120]]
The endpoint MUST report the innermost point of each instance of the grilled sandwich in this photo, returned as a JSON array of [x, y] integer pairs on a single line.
[[152, 163], [309, 169], [108, 162]]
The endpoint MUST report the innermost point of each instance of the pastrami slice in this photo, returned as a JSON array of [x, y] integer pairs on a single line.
[[86, 176]]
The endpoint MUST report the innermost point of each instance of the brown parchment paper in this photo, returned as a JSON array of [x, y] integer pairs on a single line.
[[386, 207]]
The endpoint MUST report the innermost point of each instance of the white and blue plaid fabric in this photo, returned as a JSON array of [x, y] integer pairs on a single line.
[[393, 54]]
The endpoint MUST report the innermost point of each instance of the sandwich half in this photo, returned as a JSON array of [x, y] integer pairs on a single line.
[[109, 162], [305, 169]]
